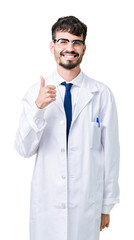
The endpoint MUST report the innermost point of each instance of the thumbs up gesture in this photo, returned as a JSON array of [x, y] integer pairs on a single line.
[[47, 94]]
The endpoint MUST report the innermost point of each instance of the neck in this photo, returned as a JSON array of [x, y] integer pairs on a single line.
[[68, 75]]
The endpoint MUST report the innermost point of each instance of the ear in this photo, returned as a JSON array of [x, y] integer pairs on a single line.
[[52, 47], [84, 48]]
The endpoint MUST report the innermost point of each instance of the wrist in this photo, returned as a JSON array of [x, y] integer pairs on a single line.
[[39, 105]]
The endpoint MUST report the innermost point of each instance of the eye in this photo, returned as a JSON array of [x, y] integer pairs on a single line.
[[76, 43], [62, 41]]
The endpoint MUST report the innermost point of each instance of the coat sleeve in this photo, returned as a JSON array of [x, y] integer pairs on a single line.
[[31, 126], [106, 209], [111, 148]]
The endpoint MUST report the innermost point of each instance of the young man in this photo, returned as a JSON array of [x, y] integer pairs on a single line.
[[70, 122]]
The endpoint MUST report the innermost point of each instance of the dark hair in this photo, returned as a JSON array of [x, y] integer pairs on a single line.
[[69, 24]]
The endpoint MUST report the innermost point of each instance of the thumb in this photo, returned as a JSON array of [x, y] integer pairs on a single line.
[[42, 83]]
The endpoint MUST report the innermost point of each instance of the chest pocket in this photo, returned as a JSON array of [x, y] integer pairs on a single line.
[[95, 136]]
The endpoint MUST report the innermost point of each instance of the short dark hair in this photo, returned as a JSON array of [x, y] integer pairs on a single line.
[[69, 24]]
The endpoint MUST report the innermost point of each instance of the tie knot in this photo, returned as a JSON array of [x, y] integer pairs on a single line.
[[67, 85]]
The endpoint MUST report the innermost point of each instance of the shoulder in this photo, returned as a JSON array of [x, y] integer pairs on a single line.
[[96, 86]]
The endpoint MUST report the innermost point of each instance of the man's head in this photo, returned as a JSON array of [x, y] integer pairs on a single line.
[[70, 24], [68, 41]]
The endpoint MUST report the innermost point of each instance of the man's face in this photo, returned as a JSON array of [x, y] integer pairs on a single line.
[[70, 55]]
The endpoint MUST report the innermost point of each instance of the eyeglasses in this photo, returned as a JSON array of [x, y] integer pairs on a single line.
[[63, 43]]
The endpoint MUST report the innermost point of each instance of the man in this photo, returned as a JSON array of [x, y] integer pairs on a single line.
[[70, 122]]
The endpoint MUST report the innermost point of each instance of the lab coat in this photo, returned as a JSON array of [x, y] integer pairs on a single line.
[[70, 185]]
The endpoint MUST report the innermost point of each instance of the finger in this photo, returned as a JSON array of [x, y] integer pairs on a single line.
[[49, 100], [102, 227], [48, 95], [107, 225], [42, 82], [101, 224], [48, 90], [52, 95], [51, 87]]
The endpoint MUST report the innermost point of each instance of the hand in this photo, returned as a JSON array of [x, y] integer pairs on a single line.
[[47, 94], [105, 220]]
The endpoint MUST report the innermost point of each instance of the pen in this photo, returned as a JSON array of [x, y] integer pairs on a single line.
[[97, 120]]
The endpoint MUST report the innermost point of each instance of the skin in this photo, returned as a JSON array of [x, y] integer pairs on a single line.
[[105, 221], [47, 93], [68, 75]]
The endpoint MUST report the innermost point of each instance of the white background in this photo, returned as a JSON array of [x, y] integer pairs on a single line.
[[25, 29]]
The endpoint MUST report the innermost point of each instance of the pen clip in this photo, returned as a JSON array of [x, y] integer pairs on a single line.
[[97, 120]]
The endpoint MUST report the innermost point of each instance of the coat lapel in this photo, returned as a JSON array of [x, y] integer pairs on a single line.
[[58, 101], [87, 92]]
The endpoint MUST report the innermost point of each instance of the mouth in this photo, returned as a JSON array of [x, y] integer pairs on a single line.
[[69, 55]]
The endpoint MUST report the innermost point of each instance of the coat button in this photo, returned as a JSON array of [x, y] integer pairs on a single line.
[[62, 149], [63, 177], [63, 205]]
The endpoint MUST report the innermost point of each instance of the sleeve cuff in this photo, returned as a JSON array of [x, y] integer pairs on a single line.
[[37, 112], [38, 116], [107, 208]]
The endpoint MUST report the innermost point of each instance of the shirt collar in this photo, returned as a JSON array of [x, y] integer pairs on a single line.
[[76, 81]]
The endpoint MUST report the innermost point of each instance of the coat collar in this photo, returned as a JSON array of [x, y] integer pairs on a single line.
[[88, 89], [76, 81]]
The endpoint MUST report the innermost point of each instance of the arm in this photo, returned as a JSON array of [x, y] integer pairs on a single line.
[[30, 130], [110, 142], [32, 122]]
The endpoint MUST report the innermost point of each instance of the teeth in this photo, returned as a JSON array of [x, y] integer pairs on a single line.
[[69, 56]]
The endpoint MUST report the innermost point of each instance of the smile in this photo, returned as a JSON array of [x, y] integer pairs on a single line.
[[69, 56]]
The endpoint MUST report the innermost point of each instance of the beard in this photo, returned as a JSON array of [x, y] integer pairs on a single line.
[[70, 65]]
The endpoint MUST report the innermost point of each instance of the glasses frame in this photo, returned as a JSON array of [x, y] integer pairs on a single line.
[[73, 41]]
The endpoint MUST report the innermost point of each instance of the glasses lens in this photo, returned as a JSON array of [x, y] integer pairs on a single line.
[[62, 43], [77, 43]]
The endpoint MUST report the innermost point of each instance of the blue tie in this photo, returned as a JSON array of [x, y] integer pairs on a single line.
[[68, 105]]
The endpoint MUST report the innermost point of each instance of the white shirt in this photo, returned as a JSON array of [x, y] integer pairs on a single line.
[[77, 82]]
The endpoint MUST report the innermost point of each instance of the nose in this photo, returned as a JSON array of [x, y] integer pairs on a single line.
[[70, 46]]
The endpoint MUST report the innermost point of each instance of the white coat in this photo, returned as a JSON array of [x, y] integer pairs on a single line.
[[69, 190]]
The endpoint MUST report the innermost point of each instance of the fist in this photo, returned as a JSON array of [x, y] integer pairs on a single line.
[[105, 220], [47, 94]]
